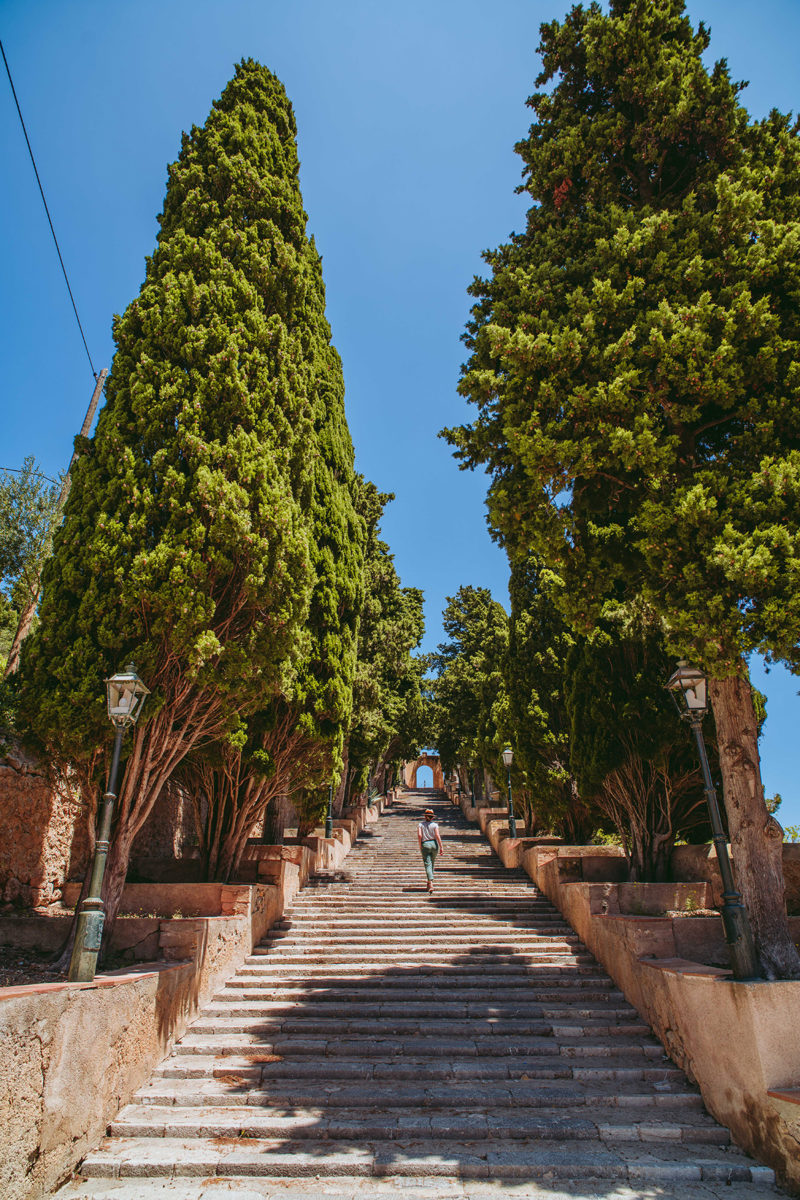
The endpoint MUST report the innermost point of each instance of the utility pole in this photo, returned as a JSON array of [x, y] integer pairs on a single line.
[[85, 427]]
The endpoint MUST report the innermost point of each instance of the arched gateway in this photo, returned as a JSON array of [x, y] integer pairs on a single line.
[[428, 758]]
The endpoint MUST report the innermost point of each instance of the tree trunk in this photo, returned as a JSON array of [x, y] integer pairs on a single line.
[[276, 819], [653, 854], [756, 837], [23, 629], [63, 957], [340, 794], [113, 884]]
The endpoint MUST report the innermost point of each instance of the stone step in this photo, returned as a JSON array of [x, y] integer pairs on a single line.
[[391, 1124], [469, 890], [473, 1159], [348, 1187], [346, 942], [455, 971], [571, 1089], [496, 884], [369, 1047], [410, 957], [444, 927], [451, 948], [326, 1008], [413, 899], [550, 992], [420, 906], [345, 935], [224, 1021], [459, 1082]]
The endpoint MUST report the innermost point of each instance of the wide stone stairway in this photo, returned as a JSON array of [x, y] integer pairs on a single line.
[[382, 1040]]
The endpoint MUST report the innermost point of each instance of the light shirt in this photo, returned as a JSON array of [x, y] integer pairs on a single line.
[[428, 830]]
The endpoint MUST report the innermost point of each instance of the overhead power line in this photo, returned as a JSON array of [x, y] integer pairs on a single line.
[[37, 474], [47, 210]]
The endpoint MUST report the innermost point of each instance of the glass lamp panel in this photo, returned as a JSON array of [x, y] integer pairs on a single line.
[[696, 695]]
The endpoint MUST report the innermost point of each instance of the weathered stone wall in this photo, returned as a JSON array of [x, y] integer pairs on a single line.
[[737, 1040], [72, 1054], [700, 862], [44, 833], [166, 847]]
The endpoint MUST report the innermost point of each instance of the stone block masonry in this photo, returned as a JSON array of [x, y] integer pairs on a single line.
[[738, 1041], [44, 833], [72, 1054]]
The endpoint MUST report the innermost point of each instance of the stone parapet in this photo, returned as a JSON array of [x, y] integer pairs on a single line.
[[738, 1041], [69, 1055], [72, 1054], [700, 863]]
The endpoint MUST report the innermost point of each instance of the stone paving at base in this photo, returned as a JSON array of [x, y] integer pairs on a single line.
[[381, 1041]]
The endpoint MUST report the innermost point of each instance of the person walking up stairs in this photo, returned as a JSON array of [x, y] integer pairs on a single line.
[[380, 1040]]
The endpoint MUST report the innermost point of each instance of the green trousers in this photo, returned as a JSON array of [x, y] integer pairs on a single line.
[[429, 852]]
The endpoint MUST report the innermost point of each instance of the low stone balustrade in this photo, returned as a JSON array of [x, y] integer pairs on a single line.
[[737, 1040]]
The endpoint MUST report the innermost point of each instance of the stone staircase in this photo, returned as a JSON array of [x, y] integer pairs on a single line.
[[381, 1039]]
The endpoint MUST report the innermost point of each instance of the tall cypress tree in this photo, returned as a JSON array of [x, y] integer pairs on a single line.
[[634, 360], [469, 694], [292, 748], [387, 700], [324, 684], [187, 542], [539, 640]]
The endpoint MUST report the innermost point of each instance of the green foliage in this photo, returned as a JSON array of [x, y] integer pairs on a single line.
[[9, 616], [615, 696], [28, 514], [323, 691], [634, 354], [773, 803], [539, 641], [632, 755], [212, 533], [387, 699], [469, 696], [186, 539]]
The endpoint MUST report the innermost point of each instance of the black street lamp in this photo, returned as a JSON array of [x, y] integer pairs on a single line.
[[369, 788], [329, 815], [508, 758], [688, 687], [126, 694]]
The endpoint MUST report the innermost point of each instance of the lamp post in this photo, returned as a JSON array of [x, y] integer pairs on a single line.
[[688, 687], [472, 788], [125, 695], [369, 787], [329, 814], [508, 758]]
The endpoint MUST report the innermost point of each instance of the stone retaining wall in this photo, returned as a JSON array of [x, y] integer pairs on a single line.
[[44, 835], [71, 1055], [738, 1041]]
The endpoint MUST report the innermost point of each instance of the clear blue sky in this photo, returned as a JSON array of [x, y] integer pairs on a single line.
[[407, 116]]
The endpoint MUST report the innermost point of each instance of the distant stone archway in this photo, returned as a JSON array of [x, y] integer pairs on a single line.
[[426, 759]]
